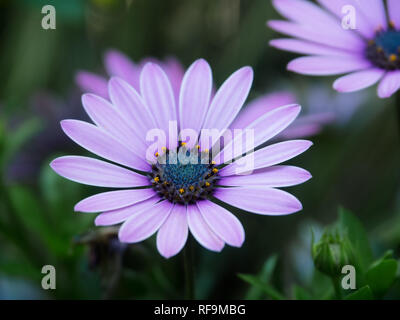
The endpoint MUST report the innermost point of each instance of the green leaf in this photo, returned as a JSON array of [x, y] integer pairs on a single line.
[[381, 275], [300, 293], [266, 288], [364, 293], [264, 276], [358, 237]]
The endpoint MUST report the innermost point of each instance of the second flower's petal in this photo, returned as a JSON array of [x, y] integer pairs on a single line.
[[323, 65], [358, 80], [268, 156], [201, 231], [222, 222], [173, 234], [195, 95], [145, 223], [389, 84], [260, 200], [101, 143], [118, 64], [92, 83], [109, 218], [97, 173], [112, 200], [276, 176]]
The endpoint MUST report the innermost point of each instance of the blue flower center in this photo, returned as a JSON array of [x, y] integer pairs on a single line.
[[184, 176], [384, 50]]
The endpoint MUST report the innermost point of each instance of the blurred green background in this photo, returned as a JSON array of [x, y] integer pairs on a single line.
[[354, 161]]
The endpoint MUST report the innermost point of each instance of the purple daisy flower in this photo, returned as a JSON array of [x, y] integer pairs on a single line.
[[369, 54], [172, 198]]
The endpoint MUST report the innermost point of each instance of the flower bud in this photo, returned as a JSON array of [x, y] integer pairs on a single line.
[[332, 252]]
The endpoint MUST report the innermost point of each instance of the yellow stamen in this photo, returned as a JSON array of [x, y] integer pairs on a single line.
[[164, 149], [392, 25], [213, 162], [379, 49], [183, 143], [205, 150], [207, 184], [181, 190], [156, 179], [392, 57], [215, 170], [191, 188], [197, 147], [157, 154]]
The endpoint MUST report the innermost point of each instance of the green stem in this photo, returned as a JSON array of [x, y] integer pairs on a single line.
[[337, 288], [189, 274]]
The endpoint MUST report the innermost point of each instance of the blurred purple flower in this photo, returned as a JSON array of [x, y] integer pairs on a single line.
[[173, 198], [369, 53]]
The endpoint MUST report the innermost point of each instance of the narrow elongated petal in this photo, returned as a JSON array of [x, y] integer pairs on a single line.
[[96, 140], [260, 106], [118, 64], [306, 47], [358, 80], [156, 91], [263, 129], [172, 236], [195, 95], [97, 173], [260, 200], [389, 84], [92, 83], [341, 7], [222, 222], [309, 14], [107, 117], [132, 107], [229, 100], [112, 200], [175, 72], [201, 231], [318, 35], [143, 224], [322, 65], [276, 176], [268, 156], [394, 12], [109, 218]]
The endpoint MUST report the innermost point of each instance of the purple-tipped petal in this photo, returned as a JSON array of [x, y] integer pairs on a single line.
[[172, 236], [305, 47], [358, 80], [363, 26], [99, 142], [132, 107], [268, 156], [374, 11], [222, 222], [201, 231], [92, 83], [195, 95], [107, 117], [301, 11], [318, 35], [119, 65], [97, 173], [394, 12], [260, 200], [264, 128], [323, 65], [301, 131], [228, 100], [156, 91], [389, 84], [276, 176], [143, 224], [112, 200], [260, 106], [113, 217]]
